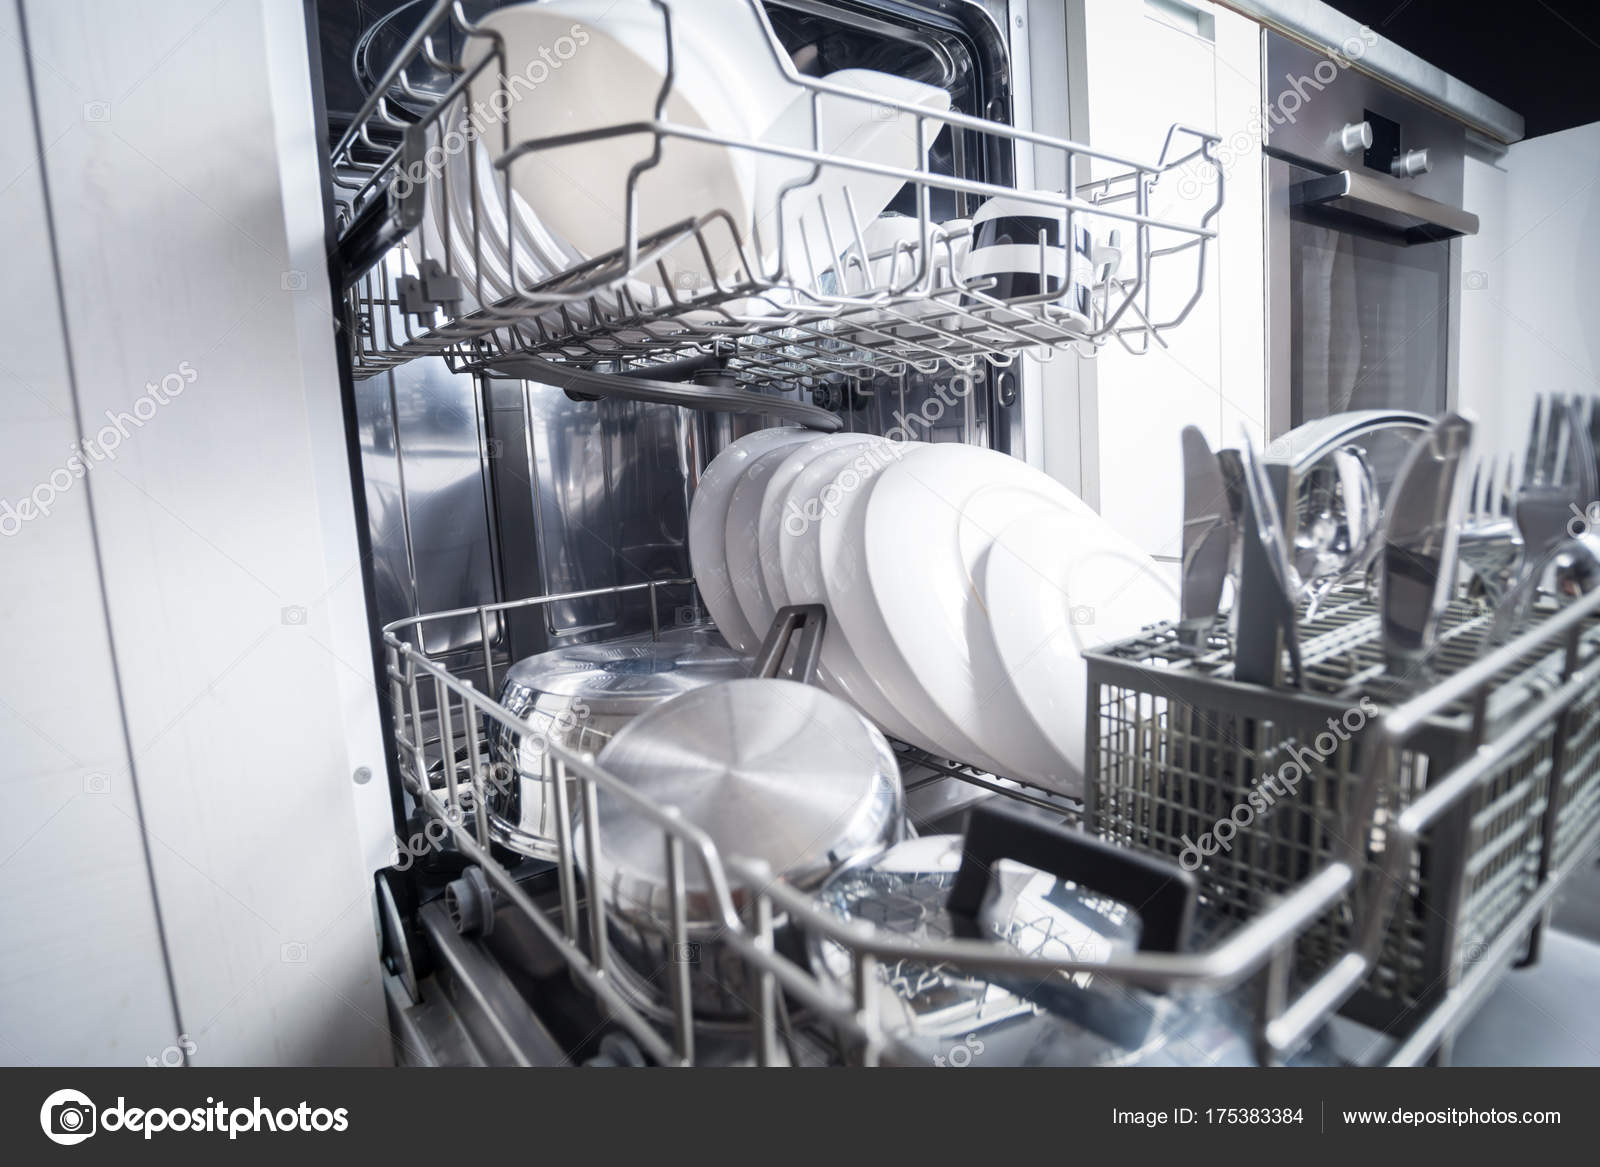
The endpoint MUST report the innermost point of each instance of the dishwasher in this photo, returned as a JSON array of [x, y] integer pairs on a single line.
[[530, 435]]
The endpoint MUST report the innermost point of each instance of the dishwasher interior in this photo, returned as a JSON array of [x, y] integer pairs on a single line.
[[528, 453]]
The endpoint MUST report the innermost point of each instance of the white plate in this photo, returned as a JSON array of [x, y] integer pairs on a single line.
[[540, 253], [708, 521], [1053, 585], [817, 218], [860, 610], [918, 575], [429, 237], [741, 540], [612, 74], [770, 526], [759, 495], [816, 496]]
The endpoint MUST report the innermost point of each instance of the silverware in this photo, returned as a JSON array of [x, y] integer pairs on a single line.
[[1209, 531], [1491, 546], [1552, 479], [1559, 481], [1264, 625], [1232, 467], [1336, 530], [1417, 565]]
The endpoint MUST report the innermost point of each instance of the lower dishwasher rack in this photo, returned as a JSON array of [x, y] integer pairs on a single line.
[[439, 722]]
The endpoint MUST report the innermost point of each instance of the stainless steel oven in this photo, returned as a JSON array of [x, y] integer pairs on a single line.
[[1364, 191]]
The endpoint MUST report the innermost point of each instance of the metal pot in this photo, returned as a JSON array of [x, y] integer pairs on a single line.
[[771, 770], [580, 697]]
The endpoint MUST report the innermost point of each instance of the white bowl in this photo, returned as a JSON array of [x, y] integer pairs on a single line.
[[581, 65], [820, 220]]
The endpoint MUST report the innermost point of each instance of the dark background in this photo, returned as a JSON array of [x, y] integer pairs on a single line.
[[1539, 57]]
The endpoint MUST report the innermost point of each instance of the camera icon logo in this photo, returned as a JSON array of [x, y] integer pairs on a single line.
[[294, 614], [1081, 614], [686, 953], [97, 111], [67, 1117], [1475, 281], [293, 952], [97, 783], [294, 281]]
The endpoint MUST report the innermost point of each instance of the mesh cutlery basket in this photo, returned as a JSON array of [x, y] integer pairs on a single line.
[[1177, 749]]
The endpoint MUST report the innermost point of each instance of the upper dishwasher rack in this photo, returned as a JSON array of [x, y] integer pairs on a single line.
[[878, 312]]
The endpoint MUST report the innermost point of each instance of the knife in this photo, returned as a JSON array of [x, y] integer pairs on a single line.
[[1208, 534], [1417, 560], [1264, 607]]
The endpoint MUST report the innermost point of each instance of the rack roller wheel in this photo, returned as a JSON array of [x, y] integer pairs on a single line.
[[470, 903]]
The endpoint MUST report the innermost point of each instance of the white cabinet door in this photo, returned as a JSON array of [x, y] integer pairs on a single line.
[[1150, 65]]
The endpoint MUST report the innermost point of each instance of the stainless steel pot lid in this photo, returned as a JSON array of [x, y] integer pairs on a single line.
[[624, 678], [771, 770]]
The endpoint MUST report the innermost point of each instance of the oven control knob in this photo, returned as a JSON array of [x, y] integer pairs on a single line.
[[1410, 164], [1356, 136]]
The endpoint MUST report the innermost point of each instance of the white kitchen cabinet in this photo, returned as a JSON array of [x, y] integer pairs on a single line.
[[1145, 66]]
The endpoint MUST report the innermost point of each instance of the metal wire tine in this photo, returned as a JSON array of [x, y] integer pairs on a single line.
[[447, 741], [766, 987], [596, 898], [554, 770], [480, 807], [433, 60], [679, 969]]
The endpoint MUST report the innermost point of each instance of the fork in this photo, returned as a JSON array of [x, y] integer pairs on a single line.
[[1559, 481], [1491, 545], [1559, 474]]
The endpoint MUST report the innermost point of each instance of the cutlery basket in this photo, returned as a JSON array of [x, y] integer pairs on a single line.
[[1258, 787]]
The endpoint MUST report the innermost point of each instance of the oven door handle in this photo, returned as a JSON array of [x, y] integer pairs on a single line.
[[1350, 198]]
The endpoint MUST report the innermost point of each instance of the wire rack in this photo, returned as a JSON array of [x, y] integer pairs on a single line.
[[1180, 748], [441, 724], [467, 285]]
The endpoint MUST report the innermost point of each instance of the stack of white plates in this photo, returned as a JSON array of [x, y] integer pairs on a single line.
[[961, 586]]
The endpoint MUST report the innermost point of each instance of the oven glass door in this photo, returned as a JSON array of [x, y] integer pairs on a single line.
[[1369, 318]]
